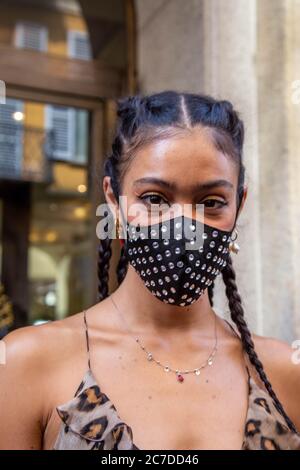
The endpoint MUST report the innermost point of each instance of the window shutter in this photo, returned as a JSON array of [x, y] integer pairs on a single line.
[[69, 128], [81, 136], [31, 36], [79, 45], [61, 121], [11, 138]]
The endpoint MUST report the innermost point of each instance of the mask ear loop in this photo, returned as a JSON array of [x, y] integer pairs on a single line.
[[233, 246]]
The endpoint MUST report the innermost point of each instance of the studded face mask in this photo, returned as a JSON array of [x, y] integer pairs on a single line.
[[177, 259]]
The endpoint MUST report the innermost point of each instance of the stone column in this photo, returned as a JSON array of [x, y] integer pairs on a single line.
[[292, 99], [229, 72]]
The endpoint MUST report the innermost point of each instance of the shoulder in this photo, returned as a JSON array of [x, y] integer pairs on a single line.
[[41, 366], [281, 362], [39, 345], [41, 361], [53, 346]]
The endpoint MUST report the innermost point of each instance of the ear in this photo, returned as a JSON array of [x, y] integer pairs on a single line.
[[109, 195]]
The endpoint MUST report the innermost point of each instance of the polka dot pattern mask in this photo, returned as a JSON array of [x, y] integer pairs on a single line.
[[177, 259]]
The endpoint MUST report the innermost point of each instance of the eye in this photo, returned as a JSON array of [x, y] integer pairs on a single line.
[[153, 199], [214, 203]]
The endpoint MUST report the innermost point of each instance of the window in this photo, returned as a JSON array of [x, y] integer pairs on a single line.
[[69, 127], [31, 36], [79, 45], [11, 137], [61, 121]]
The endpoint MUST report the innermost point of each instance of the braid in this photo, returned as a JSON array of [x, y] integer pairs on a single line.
[[104, 250], [104, 255], [211, 293], [131, 111], [237, 315], [122, 266]]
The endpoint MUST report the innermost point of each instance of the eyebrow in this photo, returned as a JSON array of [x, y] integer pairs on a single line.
[[172, 186]]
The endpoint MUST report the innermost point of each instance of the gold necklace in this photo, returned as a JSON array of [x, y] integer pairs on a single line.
[[167, 368]]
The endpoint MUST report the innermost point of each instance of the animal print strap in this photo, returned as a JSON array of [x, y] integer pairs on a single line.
[[87, 339]]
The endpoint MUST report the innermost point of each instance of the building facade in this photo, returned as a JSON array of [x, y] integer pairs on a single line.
[[91, 52]]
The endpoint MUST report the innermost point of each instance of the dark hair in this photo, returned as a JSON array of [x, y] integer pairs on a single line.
[[143, 119]]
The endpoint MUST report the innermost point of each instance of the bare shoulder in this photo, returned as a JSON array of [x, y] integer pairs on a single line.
[[281, 362], [52, 347], [41, 345], [42, 367], [42, 358]]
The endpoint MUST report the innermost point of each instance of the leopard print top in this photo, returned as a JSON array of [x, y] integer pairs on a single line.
[[90, 421]]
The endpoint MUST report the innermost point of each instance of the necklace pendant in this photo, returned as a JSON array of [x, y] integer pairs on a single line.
[[180, 377]]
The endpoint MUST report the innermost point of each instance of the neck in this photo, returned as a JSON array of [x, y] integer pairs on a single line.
[[145, 314]]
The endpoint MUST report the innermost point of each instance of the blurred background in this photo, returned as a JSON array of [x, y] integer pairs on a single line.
[[64, 63]]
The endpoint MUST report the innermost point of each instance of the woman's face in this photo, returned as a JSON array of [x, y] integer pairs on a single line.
[[185, 175]]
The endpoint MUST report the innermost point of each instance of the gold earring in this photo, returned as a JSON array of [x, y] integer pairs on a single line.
[[233, 245], [118, 227]]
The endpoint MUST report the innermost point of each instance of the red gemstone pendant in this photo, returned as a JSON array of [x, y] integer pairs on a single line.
[[180, 378]]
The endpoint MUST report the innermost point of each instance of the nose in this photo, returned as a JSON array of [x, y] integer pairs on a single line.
[[189, 210]]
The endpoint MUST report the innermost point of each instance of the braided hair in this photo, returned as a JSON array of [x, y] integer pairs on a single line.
[[146, 118], [237, 315]]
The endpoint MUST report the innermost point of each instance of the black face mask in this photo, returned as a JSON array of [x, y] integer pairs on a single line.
[[177, 259]]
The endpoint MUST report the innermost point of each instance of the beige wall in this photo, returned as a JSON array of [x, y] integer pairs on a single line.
[[246, 52], [169, 35]]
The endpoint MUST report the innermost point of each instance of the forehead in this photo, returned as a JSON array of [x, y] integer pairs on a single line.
[[185, 158]]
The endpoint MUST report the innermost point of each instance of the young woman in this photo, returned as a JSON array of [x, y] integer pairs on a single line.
[[152, 366]]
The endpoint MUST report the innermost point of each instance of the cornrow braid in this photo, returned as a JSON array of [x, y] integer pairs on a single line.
[[104, 249], [210, 290], [237, 315], [131, 111], [104, 255], [122, 266]]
